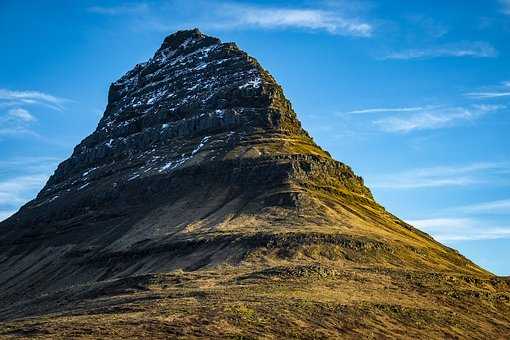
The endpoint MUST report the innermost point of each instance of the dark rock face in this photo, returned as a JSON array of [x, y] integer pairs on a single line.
[[193, 86], [200, 161]]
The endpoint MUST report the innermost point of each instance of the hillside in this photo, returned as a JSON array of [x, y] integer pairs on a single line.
[[199, 207]]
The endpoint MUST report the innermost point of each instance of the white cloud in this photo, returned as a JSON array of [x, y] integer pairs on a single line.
[[380, 110], [445, 222], [39, 164], [434, 118], [31, 175], [17, 119], [487, 95], [9, 97], [441, 176], [314, 19], [120, 10], [21, 114], [492, 207], [506, 6], [429, 26], [476, 49], [16, 190], [461, 229], [498, 91], [228, 15], [18, 131]]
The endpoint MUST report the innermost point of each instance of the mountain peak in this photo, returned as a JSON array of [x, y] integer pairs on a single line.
[[200, 163], [193, 86], [184, 37]]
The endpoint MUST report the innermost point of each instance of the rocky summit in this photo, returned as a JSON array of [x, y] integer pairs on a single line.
[[199, 207]]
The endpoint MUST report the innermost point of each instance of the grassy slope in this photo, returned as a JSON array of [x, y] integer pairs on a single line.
[[308, 301]]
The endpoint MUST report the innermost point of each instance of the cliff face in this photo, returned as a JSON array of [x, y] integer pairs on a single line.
[[199, 163]]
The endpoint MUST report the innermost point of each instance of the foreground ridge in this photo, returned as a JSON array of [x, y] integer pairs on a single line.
[[199, 207]]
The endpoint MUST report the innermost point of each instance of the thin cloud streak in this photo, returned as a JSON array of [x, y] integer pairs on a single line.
[[487, 95], [38, 164], [314, 19], [21, 114], [469, 49], [434, 118], [440, 176], [442, 222], [120, 10], [382, 110], [461, 229], [506, 6], [491, 207], [15, 190], [498, 91], [17, 120], [11, 97], [33, 172]]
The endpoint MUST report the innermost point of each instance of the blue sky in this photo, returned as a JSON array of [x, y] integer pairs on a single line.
[[414, 95]]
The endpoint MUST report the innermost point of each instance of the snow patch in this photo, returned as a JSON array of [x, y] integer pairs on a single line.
[[201, 145], [88, 171], [83, 186], [166, 166], [255, 83], [174, 164], [133, 177], [201, 66], [220, 114], [186, 42]]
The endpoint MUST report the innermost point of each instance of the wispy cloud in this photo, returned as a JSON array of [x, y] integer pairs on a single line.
[[502, 90], [138, 8], [14, 191], [31, 174], [12, 98], [443, 223], [21, 114], [441, 176], [434, 118], [382, 110], [314, 19], [476, 49], [17, 120], [505, 6], [18, 131], [31, 165], [461, 229], [491, 207], [429, 26], [488, 95], [230, 15]]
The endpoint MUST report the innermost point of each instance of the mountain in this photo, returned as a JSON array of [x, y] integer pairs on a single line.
[[199, 207]]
